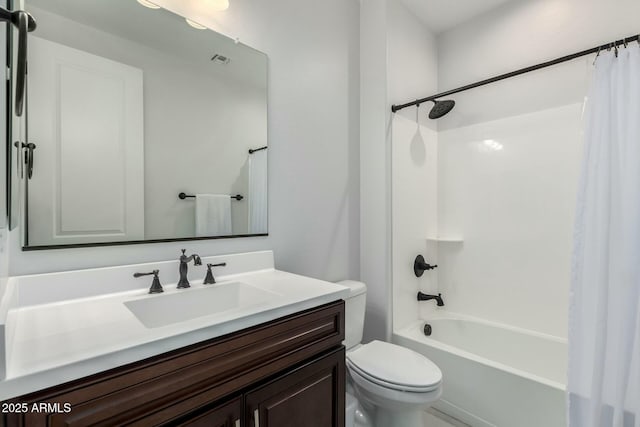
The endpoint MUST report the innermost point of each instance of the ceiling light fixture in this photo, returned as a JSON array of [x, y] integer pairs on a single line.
[[147, 3], [493, 145], [194, 24]]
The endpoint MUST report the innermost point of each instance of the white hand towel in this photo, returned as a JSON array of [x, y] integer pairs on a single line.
[[258, 190], [213, 215]]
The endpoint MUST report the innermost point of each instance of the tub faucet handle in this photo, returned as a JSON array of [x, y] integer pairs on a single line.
[[419, 266]]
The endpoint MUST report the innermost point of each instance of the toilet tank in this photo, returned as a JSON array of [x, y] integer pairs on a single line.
[[355, 305]]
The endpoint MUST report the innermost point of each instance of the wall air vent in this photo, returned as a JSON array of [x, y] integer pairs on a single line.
[[220, 59]]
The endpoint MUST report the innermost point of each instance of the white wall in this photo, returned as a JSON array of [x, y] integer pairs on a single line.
[[526, 32], [375, 179], [398, 60], [412, 72], [313, 139], [514, 205]]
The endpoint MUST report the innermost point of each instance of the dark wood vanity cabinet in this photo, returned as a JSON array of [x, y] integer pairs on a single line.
[[289, 372]]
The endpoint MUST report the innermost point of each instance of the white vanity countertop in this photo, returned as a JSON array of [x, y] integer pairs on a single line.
[[60, 341]]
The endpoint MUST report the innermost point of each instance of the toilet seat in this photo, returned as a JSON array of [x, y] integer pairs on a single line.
[[394, 367], [390, 385], [391, 399]]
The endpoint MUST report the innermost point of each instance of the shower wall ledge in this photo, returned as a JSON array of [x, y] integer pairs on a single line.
[[445, 239]]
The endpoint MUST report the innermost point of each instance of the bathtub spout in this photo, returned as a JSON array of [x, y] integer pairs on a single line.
[[425, 297]]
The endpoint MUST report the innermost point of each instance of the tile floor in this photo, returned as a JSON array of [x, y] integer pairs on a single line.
[[434, 418]]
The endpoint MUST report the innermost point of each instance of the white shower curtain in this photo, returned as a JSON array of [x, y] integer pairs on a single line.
[[258, 197], [604, 331]]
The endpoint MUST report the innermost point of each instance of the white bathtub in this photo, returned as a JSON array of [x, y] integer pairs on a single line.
[[494, 375]]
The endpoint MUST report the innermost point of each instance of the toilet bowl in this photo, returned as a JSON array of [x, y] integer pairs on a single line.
[[391, 385]]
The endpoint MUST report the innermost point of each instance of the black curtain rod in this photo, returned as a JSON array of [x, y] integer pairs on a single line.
[[251, 151], [556, 61], [183, 196]]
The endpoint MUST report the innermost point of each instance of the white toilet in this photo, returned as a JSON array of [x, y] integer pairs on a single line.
[[388, 385]]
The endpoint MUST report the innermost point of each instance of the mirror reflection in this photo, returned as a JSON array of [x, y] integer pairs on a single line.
[[143, 127]]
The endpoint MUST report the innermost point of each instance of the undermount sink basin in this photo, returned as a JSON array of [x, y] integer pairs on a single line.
[[186, 304]]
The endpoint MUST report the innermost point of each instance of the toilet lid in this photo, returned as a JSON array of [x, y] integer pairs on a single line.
[[394, 366], [354, 371]]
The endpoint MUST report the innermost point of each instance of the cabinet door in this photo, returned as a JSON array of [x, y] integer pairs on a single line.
[[226, 415], [312, 396]]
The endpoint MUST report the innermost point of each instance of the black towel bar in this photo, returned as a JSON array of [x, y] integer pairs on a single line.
[[183, 196], [253, 150]]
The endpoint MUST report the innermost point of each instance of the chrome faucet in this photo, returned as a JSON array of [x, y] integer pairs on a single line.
[[184, 260]]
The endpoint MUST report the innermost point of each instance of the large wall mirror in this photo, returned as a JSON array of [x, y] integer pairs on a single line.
[[146, 126]]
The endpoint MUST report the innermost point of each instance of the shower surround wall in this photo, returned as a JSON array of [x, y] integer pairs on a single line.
[[508, 187], [514, 202], [507, 160]]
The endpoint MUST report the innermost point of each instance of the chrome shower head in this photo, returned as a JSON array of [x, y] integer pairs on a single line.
[[441, 108]]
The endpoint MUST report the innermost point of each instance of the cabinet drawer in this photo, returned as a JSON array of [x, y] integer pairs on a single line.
[[191, 377]]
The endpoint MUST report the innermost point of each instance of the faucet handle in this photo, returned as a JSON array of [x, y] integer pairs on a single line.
[[154, 272], [420, 265], [156, 287], [183, 251], [209, 279]]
